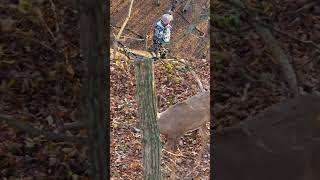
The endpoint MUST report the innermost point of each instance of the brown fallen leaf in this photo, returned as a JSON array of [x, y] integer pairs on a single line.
[[135, 165]]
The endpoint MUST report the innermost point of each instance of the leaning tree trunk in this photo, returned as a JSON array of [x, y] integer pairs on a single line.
[[147, 114], [93, 46]]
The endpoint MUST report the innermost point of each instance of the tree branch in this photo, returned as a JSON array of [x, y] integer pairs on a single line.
[[22, 126], [125, 21]]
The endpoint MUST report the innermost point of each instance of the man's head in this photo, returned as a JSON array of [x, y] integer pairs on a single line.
[[166, 18]]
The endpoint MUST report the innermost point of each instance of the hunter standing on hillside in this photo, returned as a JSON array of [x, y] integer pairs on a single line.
[[161, 35]]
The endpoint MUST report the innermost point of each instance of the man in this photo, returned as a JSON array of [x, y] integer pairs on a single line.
[[161, 35]]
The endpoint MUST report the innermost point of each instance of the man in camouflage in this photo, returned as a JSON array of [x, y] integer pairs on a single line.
[[161, 35]]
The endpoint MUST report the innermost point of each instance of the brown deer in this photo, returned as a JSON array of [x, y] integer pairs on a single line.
[[185, 116], [281, 143]]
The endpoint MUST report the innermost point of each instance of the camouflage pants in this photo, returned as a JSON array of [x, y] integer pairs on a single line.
[[159, 48]]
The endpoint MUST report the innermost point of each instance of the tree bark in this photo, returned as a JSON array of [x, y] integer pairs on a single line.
[[147, 114], [93, 46]]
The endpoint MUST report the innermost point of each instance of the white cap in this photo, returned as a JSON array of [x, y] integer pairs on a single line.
[[166, 18]]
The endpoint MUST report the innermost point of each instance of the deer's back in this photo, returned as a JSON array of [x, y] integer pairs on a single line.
[[282, 142], [185, 116]]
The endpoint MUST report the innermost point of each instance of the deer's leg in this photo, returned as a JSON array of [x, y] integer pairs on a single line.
[[172, 143], [203, 134]]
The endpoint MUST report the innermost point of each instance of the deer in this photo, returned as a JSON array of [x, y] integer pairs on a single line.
[[282, 142], [183, 117]]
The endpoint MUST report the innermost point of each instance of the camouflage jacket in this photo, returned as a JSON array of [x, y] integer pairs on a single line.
[[161, 33]]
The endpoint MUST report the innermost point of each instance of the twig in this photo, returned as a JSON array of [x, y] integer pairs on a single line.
[[125, 21], [37, 132]]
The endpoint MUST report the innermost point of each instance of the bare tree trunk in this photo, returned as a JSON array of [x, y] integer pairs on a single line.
[[147, 114], [93, 46]]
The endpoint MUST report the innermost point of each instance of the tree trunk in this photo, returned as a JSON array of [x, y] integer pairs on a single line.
[[147, 114], [93, 46]]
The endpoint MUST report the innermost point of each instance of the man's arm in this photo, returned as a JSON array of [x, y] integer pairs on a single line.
[[158, 33], [166, 34]]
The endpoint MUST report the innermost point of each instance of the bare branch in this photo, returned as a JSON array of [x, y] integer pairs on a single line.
[[125, 21]]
